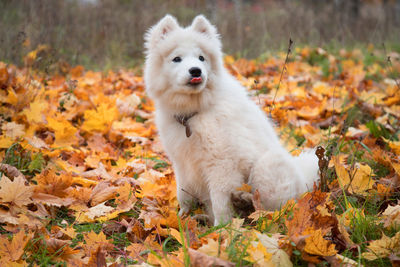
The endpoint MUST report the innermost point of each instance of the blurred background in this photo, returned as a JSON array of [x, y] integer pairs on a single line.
[[107, 34]]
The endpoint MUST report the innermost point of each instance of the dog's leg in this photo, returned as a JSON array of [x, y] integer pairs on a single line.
[[221, 186], [185, 198], [184, 195]]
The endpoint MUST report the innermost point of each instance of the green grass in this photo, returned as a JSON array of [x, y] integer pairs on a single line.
[[27, 162], [39, 254]]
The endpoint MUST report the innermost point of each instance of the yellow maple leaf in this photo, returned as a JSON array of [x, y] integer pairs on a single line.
[[341, 172], [362, 180], [36, 110], [65, 133], [358, 182], [100, 119], [395, 146], [317, 245], [14, 249], [278, 256], [215, 249], [383, 247], [15, 192], [167, 260], [94, 241], [126, 196], [396, 167], [5, 142], [259, 255]]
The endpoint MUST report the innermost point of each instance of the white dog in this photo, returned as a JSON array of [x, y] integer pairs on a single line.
[[215, 136]]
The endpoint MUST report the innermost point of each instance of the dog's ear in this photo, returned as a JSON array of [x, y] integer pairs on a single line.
[[202, 25], [159, 31]]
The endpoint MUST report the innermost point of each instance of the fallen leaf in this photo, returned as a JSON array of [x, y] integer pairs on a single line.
[[99, 119], [15, 192], [383, 247], [391, 216], [14, 249], [317, 245], [199, 259]]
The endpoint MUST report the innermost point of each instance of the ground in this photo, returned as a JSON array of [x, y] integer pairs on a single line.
[[85, 181]]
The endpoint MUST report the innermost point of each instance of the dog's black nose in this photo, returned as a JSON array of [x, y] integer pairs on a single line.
[[195, 72]]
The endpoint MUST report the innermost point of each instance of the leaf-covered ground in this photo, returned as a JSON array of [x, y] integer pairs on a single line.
[[85, 181]]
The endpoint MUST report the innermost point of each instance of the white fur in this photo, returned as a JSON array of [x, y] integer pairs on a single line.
[[232, 141]]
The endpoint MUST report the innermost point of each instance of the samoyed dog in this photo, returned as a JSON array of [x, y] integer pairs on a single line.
[[214, 134]]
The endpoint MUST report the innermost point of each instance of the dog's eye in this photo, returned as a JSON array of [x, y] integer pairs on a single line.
[[201, 58], [177, 59]]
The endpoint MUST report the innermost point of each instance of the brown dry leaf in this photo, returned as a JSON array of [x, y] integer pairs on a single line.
[[103, 191], [7, 217], [10, 171], [98, 211], [99, 172], [135, 249], [215, 249], [97, 258], [199, 259], [95, 241], [15, 192], [13, 130], [14, 249], [167, 260], [49, 182], [51, 200], [61, 250], [383, 247], [391, 216], [126, 196], [339, 260]]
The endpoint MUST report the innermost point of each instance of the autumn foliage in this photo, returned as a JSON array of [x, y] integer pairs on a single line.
[[85, 181]]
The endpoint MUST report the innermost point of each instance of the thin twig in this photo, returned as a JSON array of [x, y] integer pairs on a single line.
[[390, 65], [280, 78], [191, 195]]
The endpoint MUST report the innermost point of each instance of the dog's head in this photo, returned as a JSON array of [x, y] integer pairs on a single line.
[[181, 61]]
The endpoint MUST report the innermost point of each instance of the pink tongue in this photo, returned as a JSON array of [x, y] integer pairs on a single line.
[[196, 80]]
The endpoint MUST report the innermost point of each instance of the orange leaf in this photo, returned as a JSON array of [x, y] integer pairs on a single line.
[[14, 249], [244, 188], [317, 245]]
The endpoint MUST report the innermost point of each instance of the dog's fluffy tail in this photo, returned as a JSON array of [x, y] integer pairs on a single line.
[[307, 162]]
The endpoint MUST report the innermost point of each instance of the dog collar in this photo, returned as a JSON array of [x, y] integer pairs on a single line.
[[183, 119]]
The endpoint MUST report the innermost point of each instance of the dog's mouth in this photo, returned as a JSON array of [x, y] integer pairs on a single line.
[[196, 81]]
